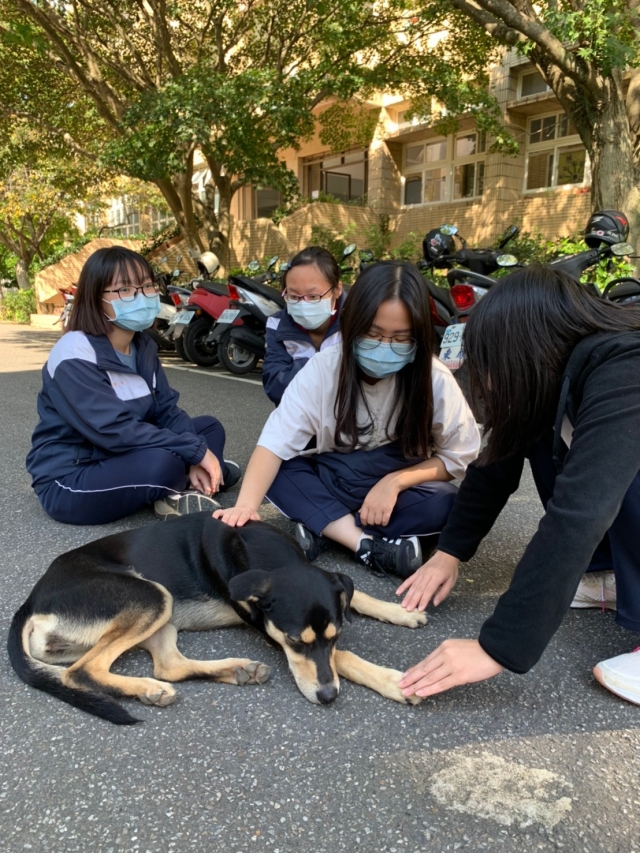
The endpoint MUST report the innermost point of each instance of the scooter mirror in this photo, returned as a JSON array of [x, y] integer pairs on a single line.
[[163, 260], [272, 262], [175, 274], [178, 258], [348, 250], [284, 266], [508, 235], [620, 249], [506, 260], [254, 266], [365, 255], [449, 230]]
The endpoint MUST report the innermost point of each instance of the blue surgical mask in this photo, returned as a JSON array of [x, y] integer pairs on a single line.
[[311, 315], [135, 315], [382, 361]]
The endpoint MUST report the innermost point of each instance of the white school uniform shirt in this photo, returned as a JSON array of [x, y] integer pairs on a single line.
[[307, 410]]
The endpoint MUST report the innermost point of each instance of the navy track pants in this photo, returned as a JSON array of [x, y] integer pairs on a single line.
[[101, 492], [324, 487], [619, 551]]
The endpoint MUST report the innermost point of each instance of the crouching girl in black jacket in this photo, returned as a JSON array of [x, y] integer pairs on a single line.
[[558, 373]]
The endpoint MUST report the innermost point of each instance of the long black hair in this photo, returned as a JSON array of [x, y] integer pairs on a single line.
[[517, 343], [99, 271], [413, 403]]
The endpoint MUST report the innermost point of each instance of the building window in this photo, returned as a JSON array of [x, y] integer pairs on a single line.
[[343, 176], [267, 200], [532, 83], [161, 219], [444, 169], [555, 155], [123, 217]]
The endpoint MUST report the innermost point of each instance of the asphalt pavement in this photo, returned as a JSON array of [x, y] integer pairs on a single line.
[[545, 761]]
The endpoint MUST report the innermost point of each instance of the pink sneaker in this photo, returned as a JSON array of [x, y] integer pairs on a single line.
[[621, 675]]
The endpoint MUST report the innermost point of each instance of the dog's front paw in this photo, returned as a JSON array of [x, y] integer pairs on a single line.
[[395, 692], [405, 618]]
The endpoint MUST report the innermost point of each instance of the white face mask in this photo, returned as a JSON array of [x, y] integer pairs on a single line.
[[311, 315]]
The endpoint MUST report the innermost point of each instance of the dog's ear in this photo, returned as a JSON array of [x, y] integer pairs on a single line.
[[253, 586], [347, 589]]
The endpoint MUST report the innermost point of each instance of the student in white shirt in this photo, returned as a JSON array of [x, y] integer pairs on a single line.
[[391, 430]]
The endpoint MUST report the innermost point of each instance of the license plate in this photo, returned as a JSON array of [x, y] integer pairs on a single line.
[[453, 336], [182, 318], [228, 315], [451, 349]]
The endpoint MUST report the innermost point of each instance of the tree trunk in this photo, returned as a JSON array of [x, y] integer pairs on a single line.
[[219, 236], [22, 274]]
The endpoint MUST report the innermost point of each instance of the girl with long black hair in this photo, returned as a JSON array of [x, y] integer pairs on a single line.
[[558, 374], [391, 431]]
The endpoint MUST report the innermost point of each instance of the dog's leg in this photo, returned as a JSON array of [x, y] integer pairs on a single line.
[[386, 611], [379, 678], [171, 665], [130, 628]]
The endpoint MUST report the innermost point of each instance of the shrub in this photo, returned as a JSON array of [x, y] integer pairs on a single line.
[[19, 305]]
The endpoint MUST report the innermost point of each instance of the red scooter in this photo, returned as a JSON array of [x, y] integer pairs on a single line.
[[193, 321]]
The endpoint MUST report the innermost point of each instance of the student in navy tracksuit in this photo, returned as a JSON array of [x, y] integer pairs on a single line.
[[314, 298], [111, 438]]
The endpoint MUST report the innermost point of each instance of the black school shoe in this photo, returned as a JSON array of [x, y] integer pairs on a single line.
[[309, 542], [234, 473], [402, 557]]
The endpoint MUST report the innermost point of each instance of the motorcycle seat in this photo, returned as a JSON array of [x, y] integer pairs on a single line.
[[214, 287], [459, 276], [257, 287]]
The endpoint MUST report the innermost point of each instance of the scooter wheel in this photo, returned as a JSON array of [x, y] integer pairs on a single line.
[[194, 342], [235, 358], [179, 344]]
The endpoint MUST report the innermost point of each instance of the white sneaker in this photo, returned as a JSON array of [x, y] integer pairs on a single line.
[[621, 675], [596, 589], [183, 503]]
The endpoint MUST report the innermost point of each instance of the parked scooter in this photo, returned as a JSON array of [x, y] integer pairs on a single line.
[[605, 235], [195, 319], [171, 296], [239, 334], [68, 296]]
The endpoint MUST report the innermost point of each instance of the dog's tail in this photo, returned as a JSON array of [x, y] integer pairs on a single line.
[[46, 677]]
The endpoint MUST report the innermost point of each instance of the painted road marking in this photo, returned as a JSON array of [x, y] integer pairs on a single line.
[[214, 375]]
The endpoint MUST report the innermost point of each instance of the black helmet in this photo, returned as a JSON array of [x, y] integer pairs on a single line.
[[606, 226], [436, 245]]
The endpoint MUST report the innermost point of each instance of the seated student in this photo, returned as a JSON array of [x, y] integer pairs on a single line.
[[391, 426], [558, 373], [313, 293], [111, 437]]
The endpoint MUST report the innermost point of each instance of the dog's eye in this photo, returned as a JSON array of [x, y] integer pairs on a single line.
[[296, 645]]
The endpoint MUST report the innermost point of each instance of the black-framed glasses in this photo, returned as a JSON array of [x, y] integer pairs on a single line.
[[401, 345], [313, 299], [128, 292]]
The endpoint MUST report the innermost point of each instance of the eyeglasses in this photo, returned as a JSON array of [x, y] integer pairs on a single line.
[[129, 291], [399, 344], [313, 298]]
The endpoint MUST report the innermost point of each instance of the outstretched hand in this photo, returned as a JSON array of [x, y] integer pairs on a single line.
[[453, 663], [435, 579], [237, 516]]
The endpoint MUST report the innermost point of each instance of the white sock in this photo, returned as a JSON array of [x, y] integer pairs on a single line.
[[362, 536]]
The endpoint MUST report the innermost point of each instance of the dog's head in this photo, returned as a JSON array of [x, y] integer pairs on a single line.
[[302, 611]]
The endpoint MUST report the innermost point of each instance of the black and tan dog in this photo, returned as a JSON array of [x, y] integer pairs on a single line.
[[141, 587]]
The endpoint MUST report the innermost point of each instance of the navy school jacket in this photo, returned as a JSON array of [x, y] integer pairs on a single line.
[[92, 406], [289, 348]]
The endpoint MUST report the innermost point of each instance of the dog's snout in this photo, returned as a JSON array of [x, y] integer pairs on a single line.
[[327, 694]]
